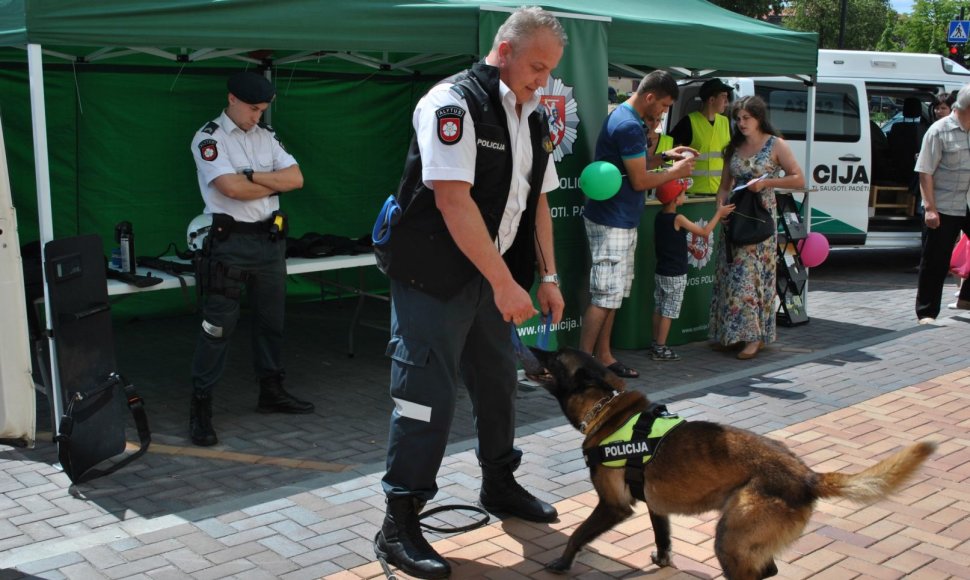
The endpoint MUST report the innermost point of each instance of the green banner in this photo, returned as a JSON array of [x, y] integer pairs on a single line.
[[576, 97]]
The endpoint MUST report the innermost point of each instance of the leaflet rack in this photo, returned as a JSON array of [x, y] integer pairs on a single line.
[[791, 275]]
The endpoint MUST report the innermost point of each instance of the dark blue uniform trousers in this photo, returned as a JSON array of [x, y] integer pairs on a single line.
[[436, 345], [265, 262]]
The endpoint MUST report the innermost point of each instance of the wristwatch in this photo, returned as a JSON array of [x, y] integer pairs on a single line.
[[551, 278], [663, 157], [249, 175]]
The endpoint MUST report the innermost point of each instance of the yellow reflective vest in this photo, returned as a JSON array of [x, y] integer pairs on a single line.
[[710, 141]]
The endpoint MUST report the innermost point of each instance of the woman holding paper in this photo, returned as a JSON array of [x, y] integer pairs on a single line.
[[743, 305]]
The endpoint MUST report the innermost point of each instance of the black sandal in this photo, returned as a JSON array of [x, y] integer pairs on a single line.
[[623, 371]]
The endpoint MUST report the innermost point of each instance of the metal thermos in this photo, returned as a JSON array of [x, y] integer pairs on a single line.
[[126, 242]]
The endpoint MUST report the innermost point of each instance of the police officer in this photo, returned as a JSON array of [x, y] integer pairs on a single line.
[[242, 167], [475, 228], [707, 131]]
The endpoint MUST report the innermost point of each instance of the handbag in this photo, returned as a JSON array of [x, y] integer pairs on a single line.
[[960, 258], [750, 222]]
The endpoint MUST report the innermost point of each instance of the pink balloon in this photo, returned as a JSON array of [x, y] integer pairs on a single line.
[[813, 249]]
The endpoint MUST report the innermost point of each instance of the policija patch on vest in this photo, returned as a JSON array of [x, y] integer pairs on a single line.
[[208, 149], [450, 120]]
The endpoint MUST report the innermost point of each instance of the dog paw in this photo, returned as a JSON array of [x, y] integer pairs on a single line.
[[662, 561], [558, 566]]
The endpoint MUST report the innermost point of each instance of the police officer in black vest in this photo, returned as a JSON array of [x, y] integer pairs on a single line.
[[242, 167], [474, 229]]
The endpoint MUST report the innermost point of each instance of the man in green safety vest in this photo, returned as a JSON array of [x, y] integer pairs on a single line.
[[708, 131]]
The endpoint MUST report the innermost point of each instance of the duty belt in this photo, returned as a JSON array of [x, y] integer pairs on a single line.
[[251, 227], [634, 444]]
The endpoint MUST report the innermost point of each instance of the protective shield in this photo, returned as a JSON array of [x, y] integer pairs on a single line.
[[94, 396]]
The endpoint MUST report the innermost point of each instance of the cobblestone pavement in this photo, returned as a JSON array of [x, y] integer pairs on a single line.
[[298, 497]]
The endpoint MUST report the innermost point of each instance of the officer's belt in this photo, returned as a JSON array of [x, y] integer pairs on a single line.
[[262, 227], [646, 431]]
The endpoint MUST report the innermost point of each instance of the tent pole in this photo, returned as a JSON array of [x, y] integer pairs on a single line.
[[268, 114], [35, 67], [809, 144]]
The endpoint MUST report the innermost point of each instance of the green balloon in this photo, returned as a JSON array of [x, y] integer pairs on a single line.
[[600, 180]]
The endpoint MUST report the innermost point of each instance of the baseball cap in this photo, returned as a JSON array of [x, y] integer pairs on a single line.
[[714, 87], [251, 88], [668, 191]]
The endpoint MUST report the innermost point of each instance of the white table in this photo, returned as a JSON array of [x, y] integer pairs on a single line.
[[305, 266]]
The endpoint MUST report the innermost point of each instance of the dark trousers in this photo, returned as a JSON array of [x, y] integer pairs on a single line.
[[264, 264], [434, 346], [934, 264]]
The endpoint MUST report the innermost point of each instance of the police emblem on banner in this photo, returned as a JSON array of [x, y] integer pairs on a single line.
[[450, 124], [558, 100], [208, 149], [699, 247]]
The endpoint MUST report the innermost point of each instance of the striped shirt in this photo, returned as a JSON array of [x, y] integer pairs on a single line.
[[945, 155]]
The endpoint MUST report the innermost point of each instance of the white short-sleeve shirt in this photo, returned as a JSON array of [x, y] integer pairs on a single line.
[[222, 148], [455, 161]]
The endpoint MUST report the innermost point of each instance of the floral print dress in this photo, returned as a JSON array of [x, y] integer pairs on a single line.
[[743, 305]]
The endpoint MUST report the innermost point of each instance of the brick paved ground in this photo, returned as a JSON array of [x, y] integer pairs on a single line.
[[285, 497]]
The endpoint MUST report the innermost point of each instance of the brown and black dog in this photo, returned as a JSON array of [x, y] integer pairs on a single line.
[[764, 492]]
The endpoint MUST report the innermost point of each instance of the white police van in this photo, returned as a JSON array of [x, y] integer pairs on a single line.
[[871, 110]]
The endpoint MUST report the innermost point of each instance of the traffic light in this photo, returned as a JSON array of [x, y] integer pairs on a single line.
[[956, 53]]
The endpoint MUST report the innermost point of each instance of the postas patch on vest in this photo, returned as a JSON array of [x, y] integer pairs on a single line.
[[450, 120], [208, 149]]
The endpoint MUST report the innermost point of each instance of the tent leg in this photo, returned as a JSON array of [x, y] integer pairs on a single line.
[[35, 67]]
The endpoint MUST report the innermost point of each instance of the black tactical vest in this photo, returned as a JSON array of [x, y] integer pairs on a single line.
[[421, 251]]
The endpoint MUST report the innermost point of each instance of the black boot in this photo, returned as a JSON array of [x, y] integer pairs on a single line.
[[200, 420], [274, 399], [501, 493], [400, 541]]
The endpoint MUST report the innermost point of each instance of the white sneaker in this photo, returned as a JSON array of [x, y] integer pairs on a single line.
[[959, 305], [927, 320]]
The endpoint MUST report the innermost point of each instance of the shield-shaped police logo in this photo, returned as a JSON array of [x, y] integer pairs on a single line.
[[208, 149], [449, 124], [558, 100]]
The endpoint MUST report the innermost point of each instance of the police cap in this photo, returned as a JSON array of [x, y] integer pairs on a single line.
[[251, 88], [714, 87]]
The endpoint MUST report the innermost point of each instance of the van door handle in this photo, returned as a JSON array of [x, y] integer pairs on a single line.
[[850, 158]]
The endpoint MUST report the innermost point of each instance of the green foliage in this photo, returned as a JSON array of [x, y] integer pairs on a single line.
[[926, 27], [864, 23], [752, 8]]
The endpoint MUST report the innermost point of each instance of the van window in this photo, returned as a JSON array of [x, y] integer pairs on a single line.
[[836, 110]]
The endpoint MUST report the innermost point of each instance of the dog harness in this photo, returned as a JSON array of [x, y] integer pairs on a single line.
[[634, 444]]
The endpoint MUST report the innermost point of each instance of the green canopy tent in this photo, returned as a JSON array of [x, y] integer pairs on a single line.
[[418, 41]]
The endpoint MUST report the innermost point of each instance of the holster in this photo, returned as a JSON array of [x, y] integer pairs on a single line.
[[212, 276]]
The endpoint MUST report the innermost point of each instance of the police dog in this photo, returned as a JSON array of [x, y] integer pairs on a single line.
[[764, 492]]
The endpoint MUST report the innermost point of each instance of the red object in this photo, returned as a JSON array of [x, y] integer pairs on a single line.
[[960, 259], [668, 192]]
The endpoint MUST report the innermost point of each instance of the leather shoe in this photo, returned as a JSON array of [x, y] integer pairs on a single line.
[[400, 542], [959, 305], [273, 398], [502, 494]]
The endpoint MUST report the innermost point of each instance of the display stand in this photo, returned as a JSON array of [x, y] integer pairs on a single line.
[[792, 276]]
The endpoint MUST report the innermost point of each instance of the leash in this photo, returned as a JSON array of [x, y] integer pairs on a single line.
[[389, 215], [542, 341], [476, 523]]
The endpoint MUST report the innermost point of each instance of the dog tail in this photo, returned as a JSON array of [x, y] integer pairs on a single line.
[[878, 481]]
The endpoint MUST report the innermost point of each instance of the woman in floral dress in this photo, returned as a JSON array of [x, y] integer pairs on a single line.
[[743, 307]]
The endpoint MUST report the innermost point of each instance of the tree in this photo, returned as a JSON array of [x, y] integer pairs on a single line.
[[926, 27], [864, 23], [752, 8]]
